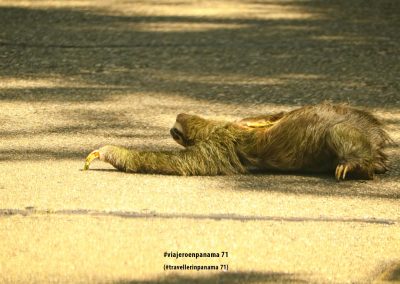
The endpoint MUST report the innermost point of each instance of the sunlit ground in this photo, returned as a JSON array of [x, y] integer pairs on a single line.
[[76, 75]]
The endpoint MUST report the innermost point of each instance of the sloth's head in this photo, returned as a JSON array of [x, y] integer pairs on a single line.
[[189, 129]]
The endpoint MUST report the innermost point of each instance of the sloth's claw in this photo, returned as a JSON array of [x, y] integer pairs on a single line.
[[338, 172], [346, 168], [341, 171], [92, 156]]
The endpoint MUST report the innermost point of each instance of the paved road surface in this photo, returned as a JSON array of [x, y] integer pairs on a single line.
[[75, 75]]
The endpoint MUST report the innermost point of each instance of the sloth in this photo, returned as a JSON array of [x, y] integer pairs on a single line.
[[323, 138]]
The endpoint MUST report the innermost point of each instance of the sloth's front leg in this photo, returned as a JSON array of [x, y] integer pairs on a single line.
[[196, 160], [134, 161]]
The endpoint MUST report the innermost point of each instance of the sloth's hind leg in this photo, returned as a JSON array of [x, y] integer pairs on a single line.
[[353, 150]]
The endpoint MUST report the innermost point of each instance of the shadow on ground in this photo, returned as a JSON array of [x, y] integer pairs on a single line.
[[228, 277], [384, 186], [280, 52]]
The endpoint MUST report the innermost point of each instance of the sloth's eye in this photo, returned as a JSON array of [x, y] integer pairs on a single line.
[[176, 134]]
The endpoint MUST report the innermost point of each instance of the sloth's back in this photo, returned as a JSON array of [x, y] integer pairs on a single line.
[[302, 139]]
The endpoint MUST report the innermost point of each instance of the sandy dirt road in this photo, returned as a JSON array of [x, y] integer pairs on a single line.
[[76, 75]]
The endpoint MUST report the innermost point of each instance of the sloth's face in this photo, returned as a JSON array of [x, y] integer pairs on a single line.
[[188, 129], [178, 134]]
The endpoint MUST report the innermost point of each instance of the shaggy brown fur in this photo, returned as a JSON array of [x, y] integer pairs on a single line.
[[320, 138]]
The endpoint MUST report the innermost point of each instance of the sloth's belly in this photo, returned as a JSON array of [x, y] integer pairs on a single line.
[[306, 157], [311, 163]]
